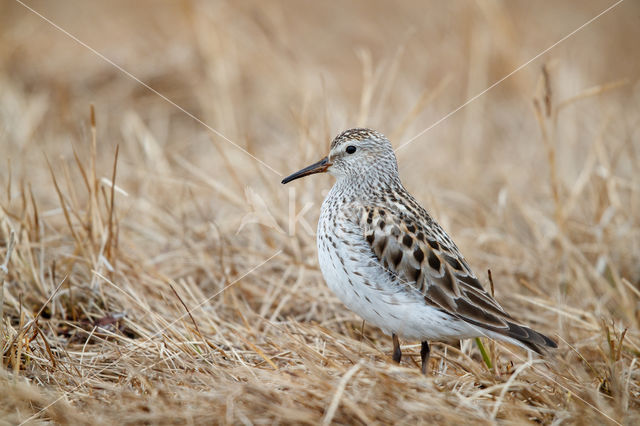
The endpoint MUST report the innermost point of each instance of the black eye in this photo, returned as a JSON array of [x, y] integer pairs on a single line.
[[351, 149]]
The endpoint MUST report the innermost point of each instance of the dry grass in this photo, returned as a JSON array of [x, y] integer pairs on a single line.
[[181, 294]]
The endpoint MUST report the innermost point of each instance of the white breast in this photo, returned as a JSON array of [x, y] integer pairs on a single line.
[[354, 274]]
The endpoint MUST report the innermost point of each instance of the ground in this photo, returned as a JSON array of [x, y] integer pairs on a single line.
[[160, 273]]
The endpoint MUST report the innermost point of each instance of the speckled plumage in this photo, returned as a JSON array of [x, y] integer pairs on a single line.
[[388, 261]]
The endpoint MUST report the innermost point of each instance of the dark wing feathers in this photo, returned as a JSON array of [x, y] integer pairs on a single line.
[[422, 255]]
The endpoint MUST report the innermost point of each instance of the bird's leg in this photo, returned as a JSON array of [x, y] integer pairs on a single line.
[[424, 354], [397, 353]]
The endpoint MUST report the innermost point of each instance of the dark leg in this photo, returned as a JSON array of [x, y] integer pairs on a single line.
[[397, 353], [424, 354]]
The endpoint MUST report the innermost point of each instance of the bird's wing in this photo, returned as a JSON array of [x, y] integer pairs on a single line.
[[423, 256]]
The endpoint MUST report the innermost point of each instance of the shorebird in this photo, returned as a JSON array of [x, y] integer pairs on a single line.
[[391, 263]]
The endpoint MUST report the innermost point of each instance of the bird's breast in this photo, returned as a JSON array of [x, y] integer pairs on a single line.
[[354, 274]]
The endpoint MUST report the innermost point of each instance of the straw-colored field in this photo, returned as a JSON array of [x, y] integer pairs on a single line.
[[190, 292]]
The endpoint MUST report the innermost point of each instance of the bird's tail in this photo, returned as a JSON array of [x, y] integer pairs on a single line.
[[525, 337]]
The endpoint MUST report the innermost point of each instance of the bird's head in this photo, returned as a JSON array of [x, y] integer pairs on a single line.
[[354, 154]]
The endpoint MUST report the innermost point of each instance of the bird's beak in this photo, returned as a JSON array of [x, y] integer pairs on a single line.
[[319, 167]]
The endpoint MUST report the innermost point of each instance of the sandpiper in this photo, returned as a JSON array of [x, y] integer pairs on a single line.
[[388, 261]]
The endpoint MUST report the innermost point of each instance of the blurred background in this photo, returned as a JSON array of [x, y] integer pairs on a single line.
[[282, 80], [212, 103]]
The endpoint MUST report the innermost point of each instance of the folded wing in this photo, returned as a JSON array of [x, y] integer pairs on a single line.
[[422, 255]]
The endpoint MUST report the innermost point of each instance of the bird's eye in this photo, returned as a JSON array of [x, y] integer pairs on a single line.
[[351, 149]]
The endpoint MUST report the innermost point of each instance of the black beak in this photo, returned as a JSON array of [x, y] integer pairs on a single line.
[[319, 167]]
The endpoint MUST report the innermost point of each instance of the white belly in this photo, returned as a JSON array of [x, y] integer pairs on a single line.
[[354, 274]]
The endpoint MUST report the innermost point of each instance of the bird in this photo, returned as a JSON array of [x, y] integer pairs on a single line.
[[391, 263]]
